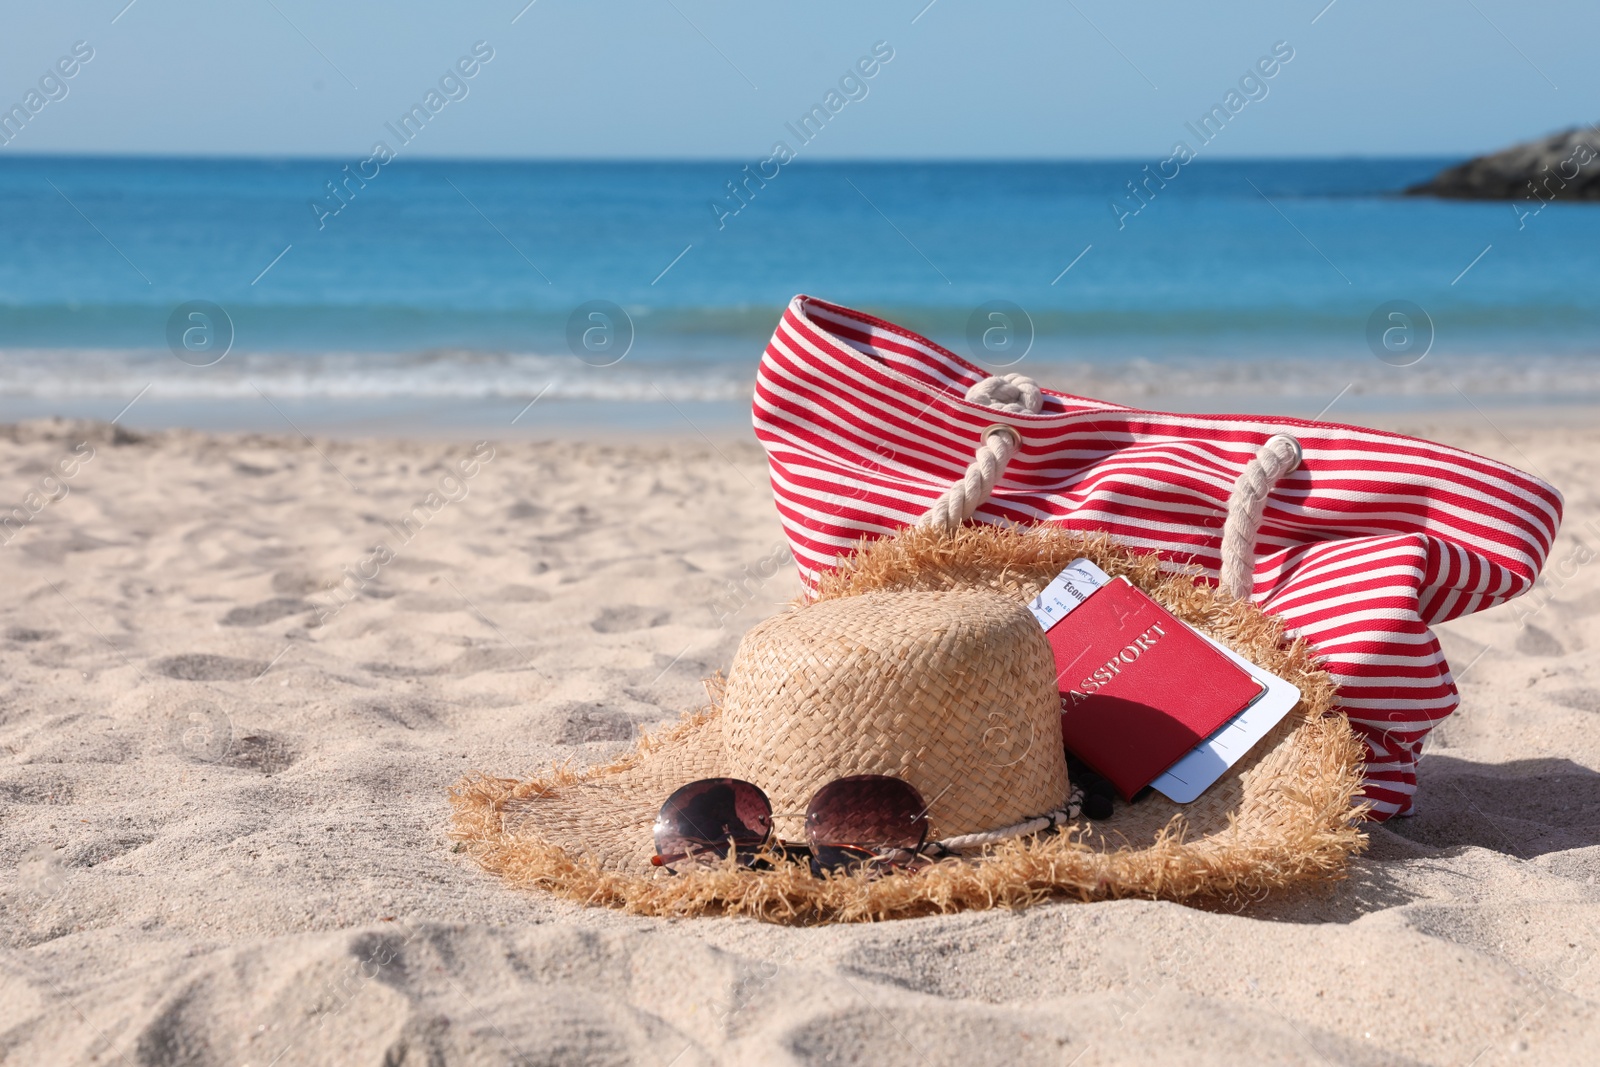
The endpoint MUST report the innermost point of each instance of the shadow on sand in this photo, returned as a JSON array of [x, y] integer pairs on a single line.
[[1521, 809]]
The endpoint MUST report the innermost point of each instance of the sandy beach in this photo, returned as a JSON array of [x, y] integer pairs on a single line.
[[229, 723]]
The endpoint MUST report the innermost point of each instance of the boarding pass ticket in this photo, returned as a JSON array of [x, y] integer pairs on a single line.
[[1186, 779]]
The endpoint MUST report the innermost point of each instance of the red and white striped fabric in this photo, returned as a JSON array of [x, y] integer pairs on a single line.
[[1374, 537]]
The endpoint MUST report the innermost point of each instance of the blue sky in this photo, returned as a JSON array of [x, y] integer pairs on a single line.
[[697, 79]]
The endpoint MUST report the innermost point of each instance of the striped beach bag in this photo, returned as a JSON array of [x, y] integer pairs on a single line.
[[1362, 546]]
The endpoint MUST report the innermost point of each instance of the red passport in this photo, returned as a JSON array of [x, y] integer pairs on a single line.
[[1139, 689]]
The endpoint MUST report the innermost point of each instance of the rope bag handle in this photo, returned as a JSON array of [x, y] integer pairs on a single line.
[[1019, 394]]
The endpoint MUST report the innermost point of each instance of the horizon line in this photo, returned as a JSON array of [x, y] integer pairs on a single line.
[[713, 159]]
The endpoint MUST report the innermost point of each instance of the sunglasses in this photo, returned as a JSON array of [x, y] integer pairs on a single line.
[[866, 820]]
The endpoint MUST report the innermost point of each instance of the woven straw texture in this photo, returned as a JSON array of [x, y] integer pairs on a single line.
[[1285, 815], [946, 690]]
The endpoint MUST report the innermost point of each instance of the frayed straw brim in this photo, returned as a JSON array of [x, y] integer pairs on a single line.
[[1284, 815]]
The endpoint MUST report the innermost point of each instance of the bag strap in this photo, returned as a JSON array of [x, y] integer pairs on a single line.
[[1016, 393], [1278, 457], [1019, 394]]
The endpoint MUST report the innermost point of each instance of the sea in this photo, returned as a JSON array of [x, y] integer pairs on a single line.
[[631, 297]]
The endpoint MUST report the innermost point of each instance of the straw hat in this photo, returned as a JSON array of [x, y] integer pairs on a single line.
[[896, 668], [918, 659], [953, 692]]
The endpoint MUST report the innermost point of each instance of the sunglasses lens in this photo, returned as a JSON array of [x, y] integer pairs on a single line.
[[701, 819], [854, 818]]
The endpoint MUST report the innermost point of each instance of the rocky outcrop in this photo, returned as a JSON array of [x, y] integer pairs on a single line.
[[1564, 166]]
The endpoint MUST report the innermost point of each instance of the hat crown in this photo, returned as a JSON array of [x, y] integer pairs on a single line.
[[954, 692]]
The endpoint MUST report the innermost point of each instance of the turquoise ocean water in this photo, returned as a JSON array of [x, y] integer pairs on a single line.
[[460, 291]]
